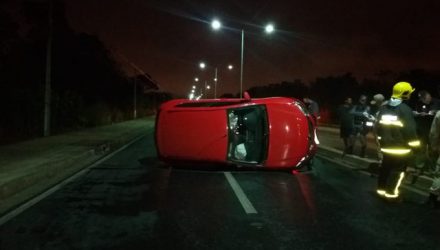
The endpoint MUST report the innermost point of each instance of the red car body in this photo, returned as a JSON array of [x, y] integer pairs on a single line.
[[272, 132]]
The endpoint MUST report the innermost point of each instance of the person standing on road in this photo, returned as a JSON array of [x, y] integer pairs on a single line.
[[346, 125], [424, 112], [377, 102], [312, 107], [397, 136], [434, 139], [361, 114]]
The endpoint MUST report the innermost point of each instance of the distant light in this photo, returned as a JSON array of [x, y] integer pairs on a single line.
[[202, 65], [194, 86], [215, 79], [216, 24], [230, 67], [208, 87], [269, 28], [192, 91], [191, 96], [196, 79]]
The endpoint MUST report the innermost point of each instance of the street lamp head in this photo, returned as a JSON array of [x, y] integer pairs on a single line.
[[194, 86], [208, 87], [196, 79], [230, 67], [202, 65], [215, 79], [216, 25], [269, 28]]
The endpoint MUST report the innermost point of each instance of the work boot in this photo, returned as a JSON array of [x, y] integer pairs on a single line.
[[432, 201]]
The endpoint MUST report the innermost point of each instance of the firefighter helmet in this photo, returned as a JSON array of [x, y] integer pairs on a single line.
[[402, 90]]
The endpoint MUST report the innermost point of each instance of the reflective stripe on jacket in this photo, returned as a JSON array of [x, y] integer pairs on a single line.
[[396, 129]]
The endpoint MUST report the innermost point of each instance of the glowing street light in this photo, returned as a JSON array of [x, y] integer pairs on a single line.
[[196, 79], [216, 24], [269, 28], [194, 86], [230, 67], [202, 65]]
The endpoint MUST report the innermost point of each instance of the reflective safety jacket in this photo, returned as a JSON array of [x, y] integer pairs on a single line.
[[396, 128]]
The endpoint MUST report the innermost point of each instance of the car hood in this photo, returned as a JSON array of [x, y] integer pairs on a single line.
[[200, 135]]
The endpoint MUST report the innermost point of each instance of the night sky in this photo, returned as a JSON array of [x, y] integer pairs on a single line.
[[167, 39]]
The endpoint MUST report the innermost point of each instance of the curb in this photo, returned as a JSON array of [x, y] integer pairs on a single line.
[[413, 182], [18, 190]]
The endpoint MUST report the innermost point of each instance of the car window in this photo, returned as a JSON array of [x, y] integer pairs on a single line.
[[248, 134]]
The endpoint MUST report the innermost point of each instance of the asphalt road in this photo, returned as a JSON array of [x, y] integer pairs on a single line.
[[132, 202], [331, 138]]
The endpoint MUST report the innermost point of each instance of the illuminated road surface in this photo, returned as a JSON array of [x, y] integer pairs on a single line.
[[131, 202]]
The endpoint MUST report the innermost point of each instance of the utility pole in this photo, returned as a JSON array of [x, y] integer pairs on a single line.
[[47, 87], [137, 71]]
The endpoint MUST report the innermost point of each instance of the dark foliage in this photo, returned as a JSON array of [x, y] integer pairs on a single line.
[[88, 86]]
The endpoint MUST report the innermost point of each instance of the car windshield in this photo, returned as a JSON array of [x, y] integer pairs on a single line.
[[248, 131]]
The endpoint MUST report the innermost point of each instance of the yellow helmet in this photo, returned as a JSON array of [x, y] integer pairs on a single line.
[[402, 90]]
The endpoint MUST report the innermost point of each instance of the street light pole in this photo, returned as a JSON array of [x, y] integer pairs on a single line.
[[47, 87], [215, 83], [135, 98], [269, 29], [241, 64]]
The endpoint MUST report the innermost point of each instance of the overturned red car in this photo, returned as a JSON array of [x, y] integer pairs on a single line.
[[274, 132]]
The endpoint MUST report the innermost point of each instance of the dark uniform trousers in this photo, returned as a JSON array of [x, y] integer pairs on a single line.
[[390, 171]]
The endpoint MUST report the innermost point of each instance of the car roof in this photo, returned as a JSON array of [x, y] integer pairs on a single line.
[[221, 103]]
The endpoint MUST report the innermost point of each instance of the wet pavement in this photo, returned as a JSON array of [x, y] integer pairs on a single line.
[[329, 136], [131, 201]]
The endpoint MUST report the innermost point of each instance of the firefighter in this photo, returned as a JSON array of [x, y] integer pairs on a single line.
[[397, 136]]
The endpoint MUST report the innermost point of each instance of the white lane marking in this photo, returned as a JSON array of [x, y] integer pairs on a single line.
[[57, 187], [245, 202]]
